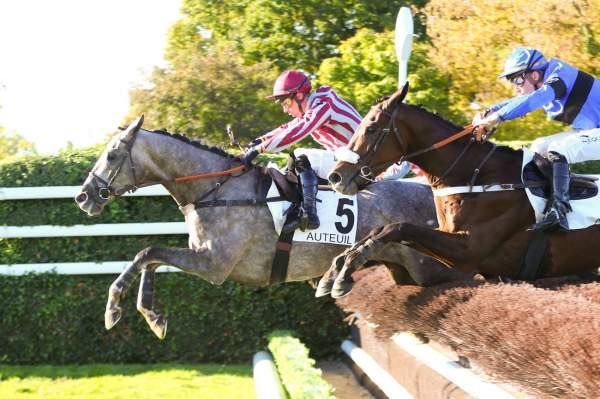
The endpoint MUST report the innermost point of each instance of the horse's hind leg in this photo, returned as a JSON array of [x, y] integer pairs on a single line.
[[145, 303], [199, 262]]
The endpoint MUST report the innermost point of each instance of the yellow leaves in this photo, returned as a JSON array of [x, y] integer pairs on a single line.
[[471, 39]]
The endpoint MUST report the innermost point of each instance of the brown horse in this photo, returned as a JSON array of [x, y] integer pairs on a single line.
[[484, 232]]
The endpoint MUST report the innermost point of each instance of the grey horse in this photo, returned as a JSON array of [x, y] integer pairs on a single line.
[[235, 242]]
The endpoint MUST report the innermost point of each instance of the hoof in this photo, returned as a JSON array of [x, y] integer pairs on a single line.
[[355, 262], [159, 327], [324, 287], [341, 288], [112, 317]]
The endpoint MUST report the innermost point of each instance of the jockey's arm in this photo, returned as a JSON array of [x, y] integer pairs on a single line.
[[290, 133], [518, 106]]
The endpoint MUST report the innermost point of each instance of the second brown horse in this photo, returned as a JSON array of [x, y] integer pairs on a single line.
[[483, 232]]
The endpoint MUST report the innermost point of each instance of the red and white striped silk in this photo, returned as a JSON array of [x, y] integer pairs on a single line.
[[328, 118]]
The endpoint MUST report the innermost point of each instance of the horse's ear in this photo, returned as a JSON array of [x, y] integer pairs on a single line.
[[133, 128], [397, 97]]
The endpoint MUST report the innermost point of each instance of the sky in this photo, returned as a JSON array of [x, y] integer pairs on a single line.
[[66, 66]]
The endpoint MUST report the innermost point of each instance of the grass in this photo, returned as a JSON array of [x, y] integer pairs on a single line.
[[116, 381]]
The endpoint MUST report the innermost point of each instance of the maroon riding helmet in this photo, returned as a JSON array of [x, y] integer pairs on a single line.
[[290, 82]]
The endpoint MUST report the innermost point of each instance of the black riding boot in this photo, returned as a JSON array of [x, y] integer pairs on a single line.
[[559, 206], [309, 220]]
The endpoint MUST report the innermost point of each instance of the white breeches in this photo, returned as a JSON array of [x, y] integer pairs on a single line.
[[322, 161], [576, 146]]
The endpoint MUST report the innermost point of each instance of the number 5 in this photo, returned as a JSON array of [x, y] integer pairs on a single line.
[[341, 211]]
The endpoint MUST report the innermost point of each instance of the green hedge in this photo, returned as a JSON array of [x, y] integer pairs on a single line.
[[300, 377], [48, 318]]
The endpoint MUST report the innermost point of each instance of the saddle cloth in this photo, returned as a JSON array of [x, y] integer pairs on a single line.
[[585, 204], [338, 214]]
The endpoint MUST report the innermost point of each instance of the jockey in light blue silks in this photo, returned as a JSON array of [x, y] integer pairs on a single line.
[[567, 95]]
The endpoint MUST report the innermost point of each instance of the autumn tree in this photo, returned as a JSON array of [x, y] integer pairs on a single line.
[[472, 39], [367, 69]]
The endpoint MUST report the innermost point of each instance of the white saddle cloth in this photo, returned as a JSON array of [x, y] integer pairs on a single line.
[[586, 212], [338, 214]]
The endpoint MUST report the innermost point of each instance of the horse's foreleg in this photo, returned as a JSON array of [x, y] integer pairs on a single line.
[[443, 246], [326, 282]]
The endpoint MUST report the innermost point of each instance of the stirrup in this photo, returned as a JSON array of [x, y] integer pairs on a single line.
[[552, 219]]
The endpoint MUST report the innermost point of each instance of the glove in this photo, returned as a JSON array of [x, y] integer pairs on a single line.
[[249, 156], [489, 120], [485, 124], [252, 144]]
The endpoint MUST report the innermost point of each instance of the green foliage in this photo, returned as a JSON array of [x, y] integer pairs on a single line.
[[290, 35], [205, 92], [367, 68], [13, 144], [48, 318], [302, 380]]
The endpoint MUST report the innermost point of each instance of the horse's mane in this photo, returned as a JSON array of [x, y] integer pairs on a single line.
[[419, 107], [435, 116], [213, 149]]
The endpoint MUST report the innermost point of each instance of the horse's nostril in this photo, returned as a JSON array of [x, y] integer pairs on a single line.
[[334, 178], [81, 197]]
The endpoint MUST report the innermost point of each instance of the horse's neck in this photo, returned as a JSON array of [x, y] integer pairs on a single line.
[[161, 157]]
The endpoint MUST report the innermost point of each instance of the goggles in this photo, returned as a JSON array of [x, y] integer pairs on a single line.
[[517, 80], [285, 102]]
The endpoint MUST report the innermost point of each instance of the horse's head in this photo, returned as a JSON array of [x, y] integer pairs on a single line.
[[113, 174], [374, 146]]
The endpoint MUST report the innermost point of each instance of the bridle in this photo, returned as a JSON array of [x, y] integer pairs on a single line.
[[366, 172], [107, 190]]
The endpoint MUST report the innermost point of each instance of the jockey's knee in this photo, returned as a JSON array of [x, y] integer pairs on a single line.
[[302, 163], [540, 145]]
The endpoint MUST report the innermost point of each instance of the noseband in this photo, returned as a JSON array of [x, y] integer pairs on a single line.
[[107, 189], [365, 172]]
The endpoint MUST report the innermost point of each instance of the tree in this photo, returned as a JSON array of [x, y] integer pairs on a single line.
[[289, 34], [205, 93], [472, 38], [367, 69], [13, 144]]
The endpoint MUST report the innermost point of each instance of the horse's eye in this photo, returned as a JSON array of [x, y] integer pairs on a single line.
[[111, 156], [370, 130]]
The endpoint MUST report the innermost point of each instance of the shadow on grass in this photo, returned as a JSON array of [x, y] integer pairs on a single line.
[[101, 370]]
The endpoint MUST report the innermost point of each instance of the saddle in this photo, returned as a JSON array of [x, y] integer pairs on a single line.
[[540, 170], [288, 184]]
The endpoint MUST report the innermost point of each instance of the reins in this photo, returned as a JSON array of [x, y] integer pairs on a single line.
[[183, 179]]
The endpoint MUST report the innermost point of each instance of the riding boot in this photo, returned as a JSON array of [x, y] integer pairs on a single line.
[[556, 215], [309, 220]]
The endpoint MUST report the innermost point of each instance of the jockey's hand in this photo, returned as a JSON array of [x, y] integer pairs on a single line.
[[485, 124], [249, 156], [252, 144]]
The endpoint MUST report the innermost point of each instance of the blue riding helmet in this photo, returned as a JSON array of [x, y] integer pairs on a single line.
[[523, 59]]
